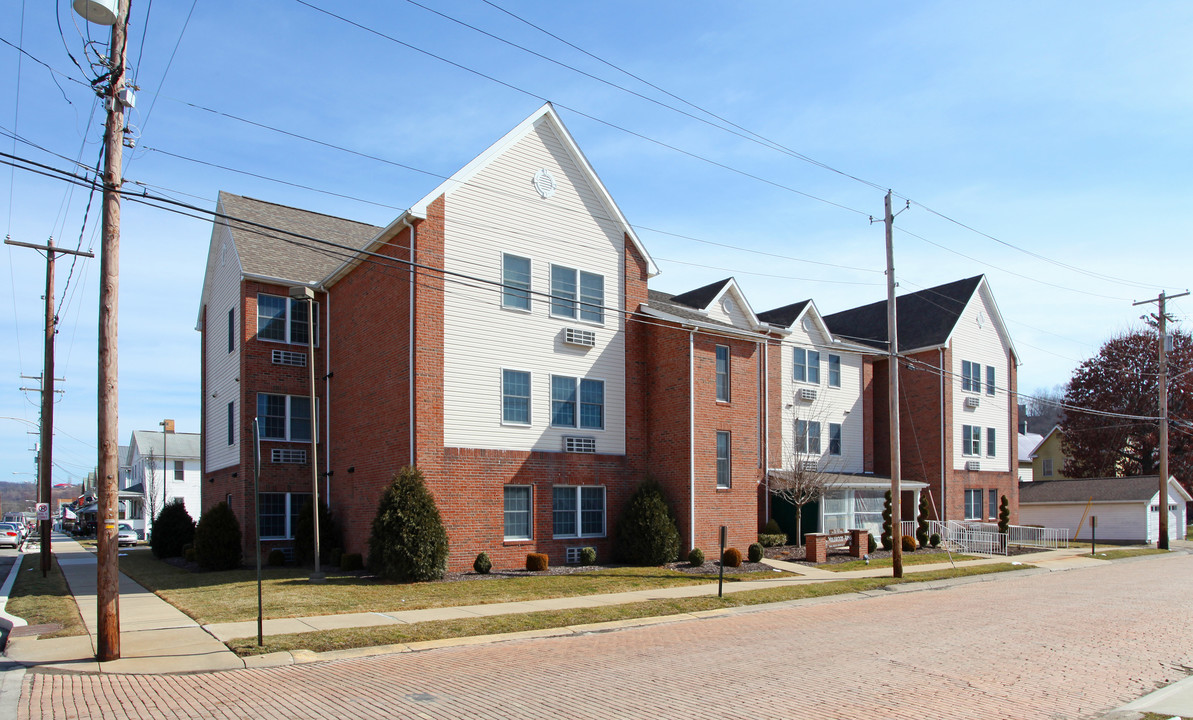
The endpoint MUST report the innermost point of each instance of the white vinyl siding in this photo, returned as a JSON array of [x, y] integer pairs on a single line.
[[223, 367], [1121, 521], [981, 349], [571, 229]]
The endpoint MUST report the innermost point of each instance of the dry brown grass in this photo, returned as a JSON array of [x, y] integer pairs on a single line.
[[44, 601]]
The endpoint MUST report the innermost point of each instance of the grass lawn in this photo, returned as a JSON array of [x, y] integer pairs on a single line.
[[1129, 552], [908, 559], [1189, 532], [41, 601], [230, 596], [324, 641]]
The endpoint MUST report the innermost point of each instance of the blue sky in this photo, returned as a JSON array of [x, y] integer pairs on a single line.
[[1059, 128]]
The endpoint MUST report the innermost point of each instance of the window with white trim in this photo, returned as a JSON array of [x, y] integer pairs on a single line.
[[179, 471], [992, 506], [724, 453], [722, 373], [989, 379], [973, 505], [589, 289], [971, 440], [278, 514], [971, 376], [515, 276], [588, 403], [807, 366], [834, 438], [807, 437], [284, 417], [991, 444], [834, 370], [515, 397], [1047, 467], [517, 512], [578, 511], [284, 319]]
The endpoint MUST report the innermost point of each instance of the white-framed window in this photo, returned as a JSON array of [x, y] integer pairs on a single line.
[[231, 423], [992, 506], [585, 399], [284, 417], [179, 471], [834, 370], [971, 440], [515, 276], [989, 379], [284, 319], [971, 376], [834, 438], [568, 285], [515, 397], [278, 514], [973, 505], [722, 373], [231, 329], [517, 512], [991, 444], [578, 511], [807, 366], [1047, 467], [724, 466], [807, 437]]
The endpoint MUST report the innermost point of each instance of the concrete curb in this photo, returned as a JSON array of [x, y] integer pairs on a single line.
[[11, 620]]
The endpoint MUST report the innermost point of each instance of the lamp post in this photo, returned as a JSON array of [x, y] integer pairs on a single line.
[[165, 461], [303, 292]]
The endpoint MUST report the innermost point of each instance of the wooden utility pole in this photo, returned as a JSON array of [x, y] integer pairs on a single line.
[[1162, 508], [892, 336], [108, 574]]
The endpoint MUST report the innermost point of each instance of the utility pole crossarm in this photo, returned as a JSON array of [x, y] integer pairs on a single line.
[[51, 248]]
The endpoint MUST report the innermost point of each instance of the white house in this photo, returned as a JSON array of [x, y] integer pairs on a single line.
[[1126, 508], [165, 464], [1028, 442]]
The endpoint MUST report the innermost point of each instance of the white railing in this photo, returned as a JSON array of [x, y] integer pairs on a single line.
[[963, 537], [907, 527], [1027, 535]]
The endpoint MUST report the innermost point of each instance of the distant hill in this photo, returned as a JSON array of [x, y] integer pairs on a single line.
[[22, 496]]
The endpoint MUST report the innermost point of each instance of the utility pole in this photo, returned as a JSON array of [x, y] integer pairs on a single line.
[[45, 457], [892, 336], [1162, 508]]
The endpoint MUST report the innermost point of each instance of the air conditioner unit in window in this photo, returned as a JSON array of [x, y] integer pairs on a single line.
[[575, 444], [973, 465], [807, 394], [972, 402], [573, 555], [288, 456], [287, 357], [809, 466], [579, 336]]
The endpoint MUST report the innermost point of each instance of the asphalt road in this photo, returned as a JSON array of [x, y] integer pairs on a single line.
[[1052, 645]]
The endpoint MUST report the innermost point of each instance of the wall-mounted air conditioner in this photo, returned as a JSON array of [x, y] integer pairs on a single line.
[[972, 402], [575, 444], [973, 465], [579, 336], [807, 394]]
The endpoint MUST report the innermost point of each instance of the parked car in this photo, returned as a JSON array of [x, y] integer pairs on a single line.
[[125, 535], [10, 534]]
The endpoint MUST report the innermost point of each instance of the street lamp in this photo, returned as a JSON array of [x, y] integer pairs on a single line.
[[302, 292]]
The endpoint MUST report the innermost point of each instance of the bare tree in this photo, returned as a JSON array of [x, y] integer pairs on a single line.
[[812, 465], [150, 484]]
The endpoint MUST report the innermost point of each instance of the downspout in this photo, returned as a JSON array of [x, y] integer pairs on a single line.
[[327, 399], [692, 438], [943, 492], [764, 347], [410, 348]]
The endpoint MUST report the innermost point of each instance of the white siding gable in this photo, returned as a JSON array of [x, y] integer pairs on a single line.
[[500, 211], [223, 367], [731, 307], [978, 339]]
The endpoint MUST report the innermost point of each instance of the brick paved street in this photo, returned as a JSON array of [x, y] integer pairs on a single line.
[[1059, 645]]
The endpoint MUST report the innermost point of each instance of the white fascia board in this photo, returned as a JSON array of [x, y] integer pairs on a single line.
[[732, 287], [379, 239], [710, 328], [212, 260], [1172, 482], [276, 280], [1000, 324]]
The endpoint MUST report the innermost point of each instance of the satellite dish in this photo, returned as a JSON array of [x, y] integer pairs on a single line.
[[100, 12]]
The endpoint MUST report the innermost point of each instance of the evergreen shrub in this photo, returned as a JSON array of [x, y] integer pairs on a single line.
[[646, 533], [772, 540], [482, 564], [934, 540], [276, 558], [217, 539], [887, 539], [352, 562], [754, 552], [172, 528], [696, 557], [304, 534], [921, 521], [588, 556], [408, 542], [1004, 515]]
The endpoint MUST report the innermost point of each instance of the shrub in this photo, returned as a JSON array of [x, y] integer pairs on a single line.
[[934, 539], [304, 534], [172, 528], [1004, 515], [536, 562], [482, 564], [696, 557], [217, 539], [408, 542], [588, 556], [189, 555], [921, 521], [335, 556], [769, 540], [871, 543], [772, 527], [908, 543], [731, 558], [646, 533], [887, 540], [276, 558], [352, 562], [188, 546], [754, 552]]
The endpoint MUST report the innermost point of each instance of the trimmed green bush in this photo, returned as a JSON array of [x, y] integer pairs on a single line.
[[482, 564], [888, 541], [934, 540], [754, 552], [772, 528], [276, 558], [1004, 515], [696, 557], [172, 528], [408, 542], [335, 556], [646, 533], [921, 521], [871, 543], [304, 534], [588, 556], [536, 562], [217, 539], [731, 558], [189, 555], [352, 562], [769, 540], [908, 543]]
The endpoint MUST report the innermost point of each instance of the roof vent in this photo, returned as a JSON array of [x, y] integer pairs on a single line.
[[579, 336]]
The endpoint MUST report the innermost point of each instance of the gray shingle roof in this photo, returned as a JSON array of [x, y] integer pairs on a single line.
[[925, 318], [1139, 488], [701, 296], [663, 302], [783, 316], [178, 445], [276, 254]]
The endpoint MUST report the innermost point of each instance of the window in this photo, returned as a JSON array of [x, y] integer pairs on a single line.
[[724, 477], [807, 366], [723, 373], [578, 511], [231, 423], [807, 437], [591, 293], [515, 397], [1047, 467], [989, 379], [231, 329], [991, 444], [973, 505], [992, 507], [834, 438], [179, 470], [283, 319], [591, 402], [278, 514], [971, 440], [971, 376], [515, 276], [517, 513], [284, 417], [834, 371]]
